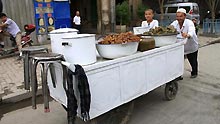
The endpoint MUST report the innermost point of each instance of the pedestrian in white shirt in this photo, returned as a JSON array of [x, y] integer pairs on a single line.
[[150, 22], [10, 28], [186, 29], [77, 21]]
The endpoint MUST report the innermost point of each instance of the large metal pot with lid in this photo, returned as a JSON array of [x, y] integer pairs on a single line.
[[56, 38], [79, 49]]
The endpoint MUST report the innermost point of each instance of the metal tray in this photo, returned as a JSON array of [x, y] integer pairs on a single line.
[[168, 34]]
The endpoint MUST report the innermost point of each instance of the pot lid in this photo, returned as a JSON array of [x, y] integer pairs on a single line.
[[63, 30], [75, 36]]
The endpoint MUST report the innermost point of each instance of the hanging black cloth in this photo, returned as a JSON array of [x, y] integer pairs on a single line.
[[71, 99], [85, 96]]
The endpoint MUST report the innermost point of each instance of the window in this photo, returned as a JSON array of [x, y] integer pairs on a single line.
[[171, 9], [164, 9], [187, 8], [195, 10]]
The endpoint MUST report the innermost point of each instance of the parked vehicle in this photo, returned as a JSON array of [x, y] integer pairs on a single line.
[[170, 9]]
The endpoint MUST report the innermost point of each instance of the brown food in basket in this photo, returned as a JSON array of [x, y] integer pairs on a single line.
[[120, 38]]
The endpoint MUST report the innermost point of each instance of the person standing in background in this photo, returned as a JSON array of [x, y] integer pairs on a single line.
[[150, 22], [196, 25], [77, 21]]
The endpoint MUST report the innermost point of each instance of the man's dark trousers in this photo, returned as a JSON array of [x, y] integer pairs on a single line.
[[192, 58]]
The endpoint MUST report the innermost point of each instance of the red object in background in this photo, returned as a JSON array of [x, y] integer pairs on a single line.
[[49, 15], [48, 5], [29, 28], [40, 5], [26, 38], [191, 12]]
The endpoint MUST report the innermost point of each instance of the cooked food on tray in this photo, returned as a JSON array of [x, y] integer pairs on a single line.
[[161, 31], [120, 38]]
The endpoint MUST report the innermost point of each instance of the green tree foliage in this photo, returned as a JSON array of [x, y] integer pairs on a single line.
[[122, 13], [140, 11]]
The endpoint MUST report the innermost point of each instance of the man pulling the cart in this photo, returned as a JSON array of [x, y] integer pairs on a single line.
[[186, 29]]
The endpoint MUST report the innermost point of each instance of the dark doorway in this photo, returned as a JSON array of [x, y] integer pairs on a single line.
[[1, 6], [119, 1], [88, 14]]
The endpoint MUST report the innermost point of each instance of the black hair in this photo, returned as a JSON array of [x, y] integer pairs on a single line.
[[2, 15]]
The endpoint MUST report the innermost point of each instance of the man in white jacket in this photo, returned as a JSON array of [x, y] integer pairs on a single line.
[[186, 29]]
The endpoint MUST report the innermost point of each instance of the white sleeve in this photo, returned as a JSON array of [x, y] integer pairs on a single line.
[[191, 28], [142, 24], [174, 24], [74, 19], [156, 24], [8, 22]]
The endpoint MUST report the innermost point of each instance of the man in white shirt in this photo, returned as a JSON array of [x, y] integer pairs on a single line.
[[9, 27], [186, 29], [77, 21]]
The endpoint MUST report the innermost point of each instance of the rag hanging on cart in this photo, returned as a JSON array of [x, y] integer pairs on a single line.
[[85, 96]]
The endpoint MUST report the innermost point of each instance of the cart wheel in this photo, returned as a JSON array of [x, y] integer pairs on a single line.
[[171, 90]]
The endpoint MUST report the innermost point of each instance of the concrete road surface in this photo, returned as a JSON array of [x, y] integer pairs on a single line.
[[197, 101]]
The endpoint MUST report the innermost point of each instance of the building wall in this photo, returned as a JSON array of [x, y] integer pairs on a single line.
[[134, 4], [21, 11]]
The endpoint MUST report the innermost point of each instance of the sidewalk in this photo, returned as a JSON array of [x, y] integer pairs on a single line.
[[11, 74]]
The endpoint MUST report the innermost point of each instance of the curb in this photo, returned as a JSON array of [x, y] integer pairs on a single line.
[[9, 55], [17, 53], [214, 42], [18, 96], [210, 43]]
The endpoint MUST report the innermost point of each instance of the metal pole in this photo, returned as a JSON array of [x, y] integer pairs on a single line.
[[113, 16]]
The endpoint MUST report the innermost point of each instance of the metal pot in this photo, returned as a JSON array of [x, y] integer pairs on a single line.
[[79, 49], [112, 51], [56, 38], [163, 40]]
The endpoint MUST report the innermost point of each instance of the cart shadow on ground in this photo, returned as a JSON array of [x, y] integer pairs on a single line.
[[151, 107], [119, 115], [10, 106], [123, 113]]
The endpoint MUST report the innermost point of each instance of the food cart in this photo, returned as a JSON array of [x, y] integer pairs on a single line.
[[116, 82]]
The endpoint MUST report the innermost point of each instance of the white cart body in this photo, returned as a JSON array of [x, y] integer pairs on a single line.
[[115, 82]]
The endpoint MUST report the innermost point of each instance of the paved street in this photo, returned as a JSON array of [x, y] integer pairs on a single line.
[[197, 101]]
